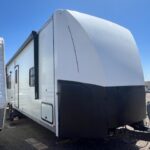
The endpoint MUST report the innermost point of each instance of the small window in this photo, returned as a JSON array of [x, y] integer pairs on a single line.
[[16, 76], [8, 81], [31, 77]]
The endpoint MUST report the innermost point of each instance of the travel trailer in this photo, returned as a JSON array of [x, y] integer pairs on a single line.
[[78, 76], [2, 85]]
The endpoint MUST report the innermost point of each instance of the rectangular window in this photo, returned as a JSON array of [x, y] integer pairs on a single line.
[[9, 81], [31, 77]]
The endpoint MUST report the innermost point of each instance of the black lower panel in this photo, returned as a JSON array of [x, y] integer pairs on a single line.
[[89, 111], [2, 113]]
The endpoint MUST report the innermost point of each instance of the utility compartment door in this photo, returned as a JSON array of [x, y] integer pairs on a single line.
[[47, 109]]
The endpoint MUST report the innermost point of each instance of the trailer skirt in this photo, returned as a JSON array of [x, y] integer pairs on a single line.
[[2, 115], [89, 111]]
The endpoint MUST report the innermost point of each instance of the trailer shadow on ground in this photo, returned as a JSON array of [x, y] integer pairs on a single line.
[[25, 134]]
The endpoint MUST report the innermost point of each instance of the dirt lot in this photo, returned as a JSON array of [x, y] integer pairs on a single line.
[[25, 134]]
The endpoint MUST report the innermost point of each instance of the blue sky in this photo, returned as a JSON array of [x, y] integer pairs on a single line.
[[19, 17]]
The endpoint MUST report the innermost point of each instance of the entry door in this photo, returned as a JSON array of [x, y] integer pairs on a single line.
[[17, 86]]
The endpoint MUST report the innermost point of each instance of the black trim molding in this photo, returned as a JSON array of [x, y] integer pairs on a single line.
[[36, 63]]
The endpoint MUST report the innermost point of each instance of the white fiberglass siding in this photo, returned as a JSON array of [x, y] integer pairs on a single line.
[[35, 108], [27, 102], [25, 61], [46, 73], [46, 66], [106, 53]]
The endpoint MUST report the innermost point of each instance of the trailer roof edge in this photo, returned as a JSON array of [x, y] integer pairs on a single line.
[[29, 39]]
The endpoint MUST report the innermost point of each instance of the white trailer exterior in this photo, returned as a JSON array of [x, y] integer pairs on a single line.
[[2, 85], [79, 76]]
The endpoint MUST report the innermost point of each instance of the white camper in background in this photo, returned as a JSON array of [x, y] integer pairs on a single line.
[[2, 85], [78, 76]]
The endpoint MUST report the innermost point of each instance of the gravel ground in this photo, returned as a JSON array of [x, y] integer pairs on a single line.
[[25, 134]]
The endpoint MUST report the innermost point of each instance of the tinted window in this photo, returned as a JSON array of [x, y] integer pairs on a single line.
[[31, 77], [8, 81]]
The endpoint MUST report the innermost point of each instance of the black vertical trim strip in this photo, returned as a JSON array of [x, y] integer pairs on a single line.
[[36, 63]]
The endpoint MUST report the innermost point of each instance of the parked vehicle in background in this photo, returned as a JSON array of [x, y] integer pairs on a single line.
[[78, 76], [2, 85]]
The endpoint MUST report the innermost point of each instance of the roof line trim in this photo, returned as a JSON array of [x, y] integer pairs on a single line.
[[27, 41]]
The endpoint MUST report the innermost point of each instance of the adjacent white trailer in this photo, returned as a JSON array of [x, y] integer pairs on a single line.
[[78, 76], [2, 85]]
